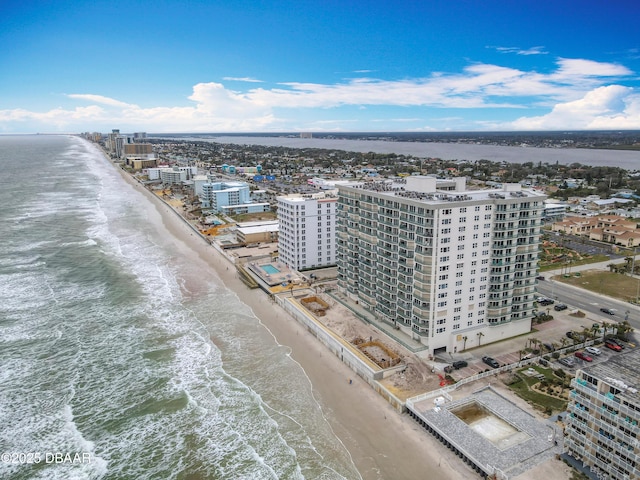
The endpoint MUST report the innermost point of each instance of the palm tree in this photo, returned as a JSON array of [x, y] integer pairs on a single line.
[[464, 345], [623, 328], [563, 342], [628, 261], [535, 342], [595, 328], [480, 335], [605, 327]]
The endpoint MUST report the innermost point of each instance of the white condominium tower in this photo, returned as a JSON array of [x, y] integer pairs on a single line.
[[307, 237], [454, 268]]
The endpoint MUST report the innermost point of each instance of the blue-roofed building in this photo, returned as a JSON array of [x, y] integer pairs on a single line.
[[230, 197]]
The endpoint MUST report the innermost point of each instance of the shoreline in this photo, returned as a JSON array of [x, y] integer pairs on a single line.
[[382, 443]]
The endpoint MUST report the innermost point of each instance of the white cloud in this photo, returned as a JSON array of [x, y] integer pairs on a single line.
[[578, 67], [98, 99], [242, 79], [574, 92], [519, 51], [610, 107]]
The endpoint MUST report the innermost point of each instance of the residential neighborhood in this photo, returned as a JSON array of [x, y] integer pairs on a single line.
[[441, 265]]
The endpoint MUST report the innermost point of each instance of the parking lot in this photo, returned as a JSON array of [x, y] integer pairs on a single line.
[[551, 332]]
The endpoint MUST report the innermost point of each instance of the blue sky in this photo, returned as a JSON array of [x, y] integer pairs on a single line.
[[327, 65]]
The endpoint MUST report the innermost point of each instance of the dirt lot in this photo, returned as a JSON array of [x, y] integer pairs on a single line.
[[417, 378]]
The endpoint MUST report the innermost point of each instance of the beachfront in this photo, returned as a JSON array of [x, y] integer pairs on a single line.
[[383, 444], [360, 417]]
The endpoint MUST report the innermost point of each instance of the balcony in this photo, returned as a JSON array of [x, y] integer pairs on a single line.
[[424, 258], [421, 312]]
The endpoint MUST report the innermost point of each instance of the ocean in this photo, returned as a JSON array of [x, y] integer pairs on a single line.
[[124, 357]]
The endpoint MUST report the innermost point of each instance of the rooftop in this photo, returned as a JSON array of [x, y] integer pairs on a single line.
[[438, 191], [621, 371]]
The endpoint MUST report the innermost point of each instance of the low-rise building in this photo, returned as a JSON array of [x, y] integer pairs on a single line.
[[603, 228], [258, 232]]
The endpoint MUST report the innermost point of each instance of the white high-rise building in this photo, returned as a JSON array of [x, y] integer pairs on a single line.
[[307, 237], [454, 268]]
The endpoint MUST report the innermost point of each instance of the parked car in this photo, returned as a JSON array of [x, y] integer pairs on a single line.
[[540, 277], [613, 346], [548, 346], [616, 341], [492, 362], [559, 307], [583, 356], [567, 362], [569, 334], [459, 364], [608, 311], [545, 302], [593, 350]]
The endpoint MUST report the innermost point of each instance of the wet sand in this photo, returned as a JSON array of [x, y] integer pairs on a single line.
[[383, 444]]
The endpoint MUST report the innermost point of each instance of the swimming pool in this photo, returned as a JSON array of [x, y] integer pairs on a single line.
[[270, 269]]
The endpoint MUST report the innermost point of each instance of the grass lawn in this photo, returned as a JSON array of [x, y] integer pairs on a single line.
[[606, 283], [522, 387], [544, 266]]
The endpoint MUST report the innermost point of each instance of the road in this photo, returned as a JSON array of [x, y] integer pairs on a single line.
[[587, 301]]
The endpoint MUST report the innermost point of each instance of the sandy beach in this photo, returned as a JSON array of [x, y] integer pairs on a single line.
[[382, 443]]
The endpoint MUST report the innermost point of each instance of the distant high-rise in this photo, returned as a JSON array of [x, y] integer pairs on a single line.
[[454, 268]]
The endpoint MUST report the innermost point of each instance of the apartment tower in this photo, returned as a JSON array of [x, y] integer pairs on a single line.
[[307, 237], [454, 268], [604, 411]]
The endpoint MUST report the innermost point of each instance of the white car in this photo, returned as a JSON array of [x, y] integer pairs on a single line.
[[593, 350]]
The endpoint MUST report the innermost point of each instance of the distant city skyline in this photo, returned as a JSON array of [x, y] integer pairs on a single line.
[[329, 66]]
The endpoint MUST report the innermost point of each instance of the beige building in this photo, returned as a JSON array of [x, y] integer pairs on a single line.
[[139, 163], [603, 228], [258, 232]]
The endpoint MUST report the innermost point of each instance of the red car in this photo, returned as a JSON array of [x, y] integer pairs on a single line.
[[612, 346], [583, 356]]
